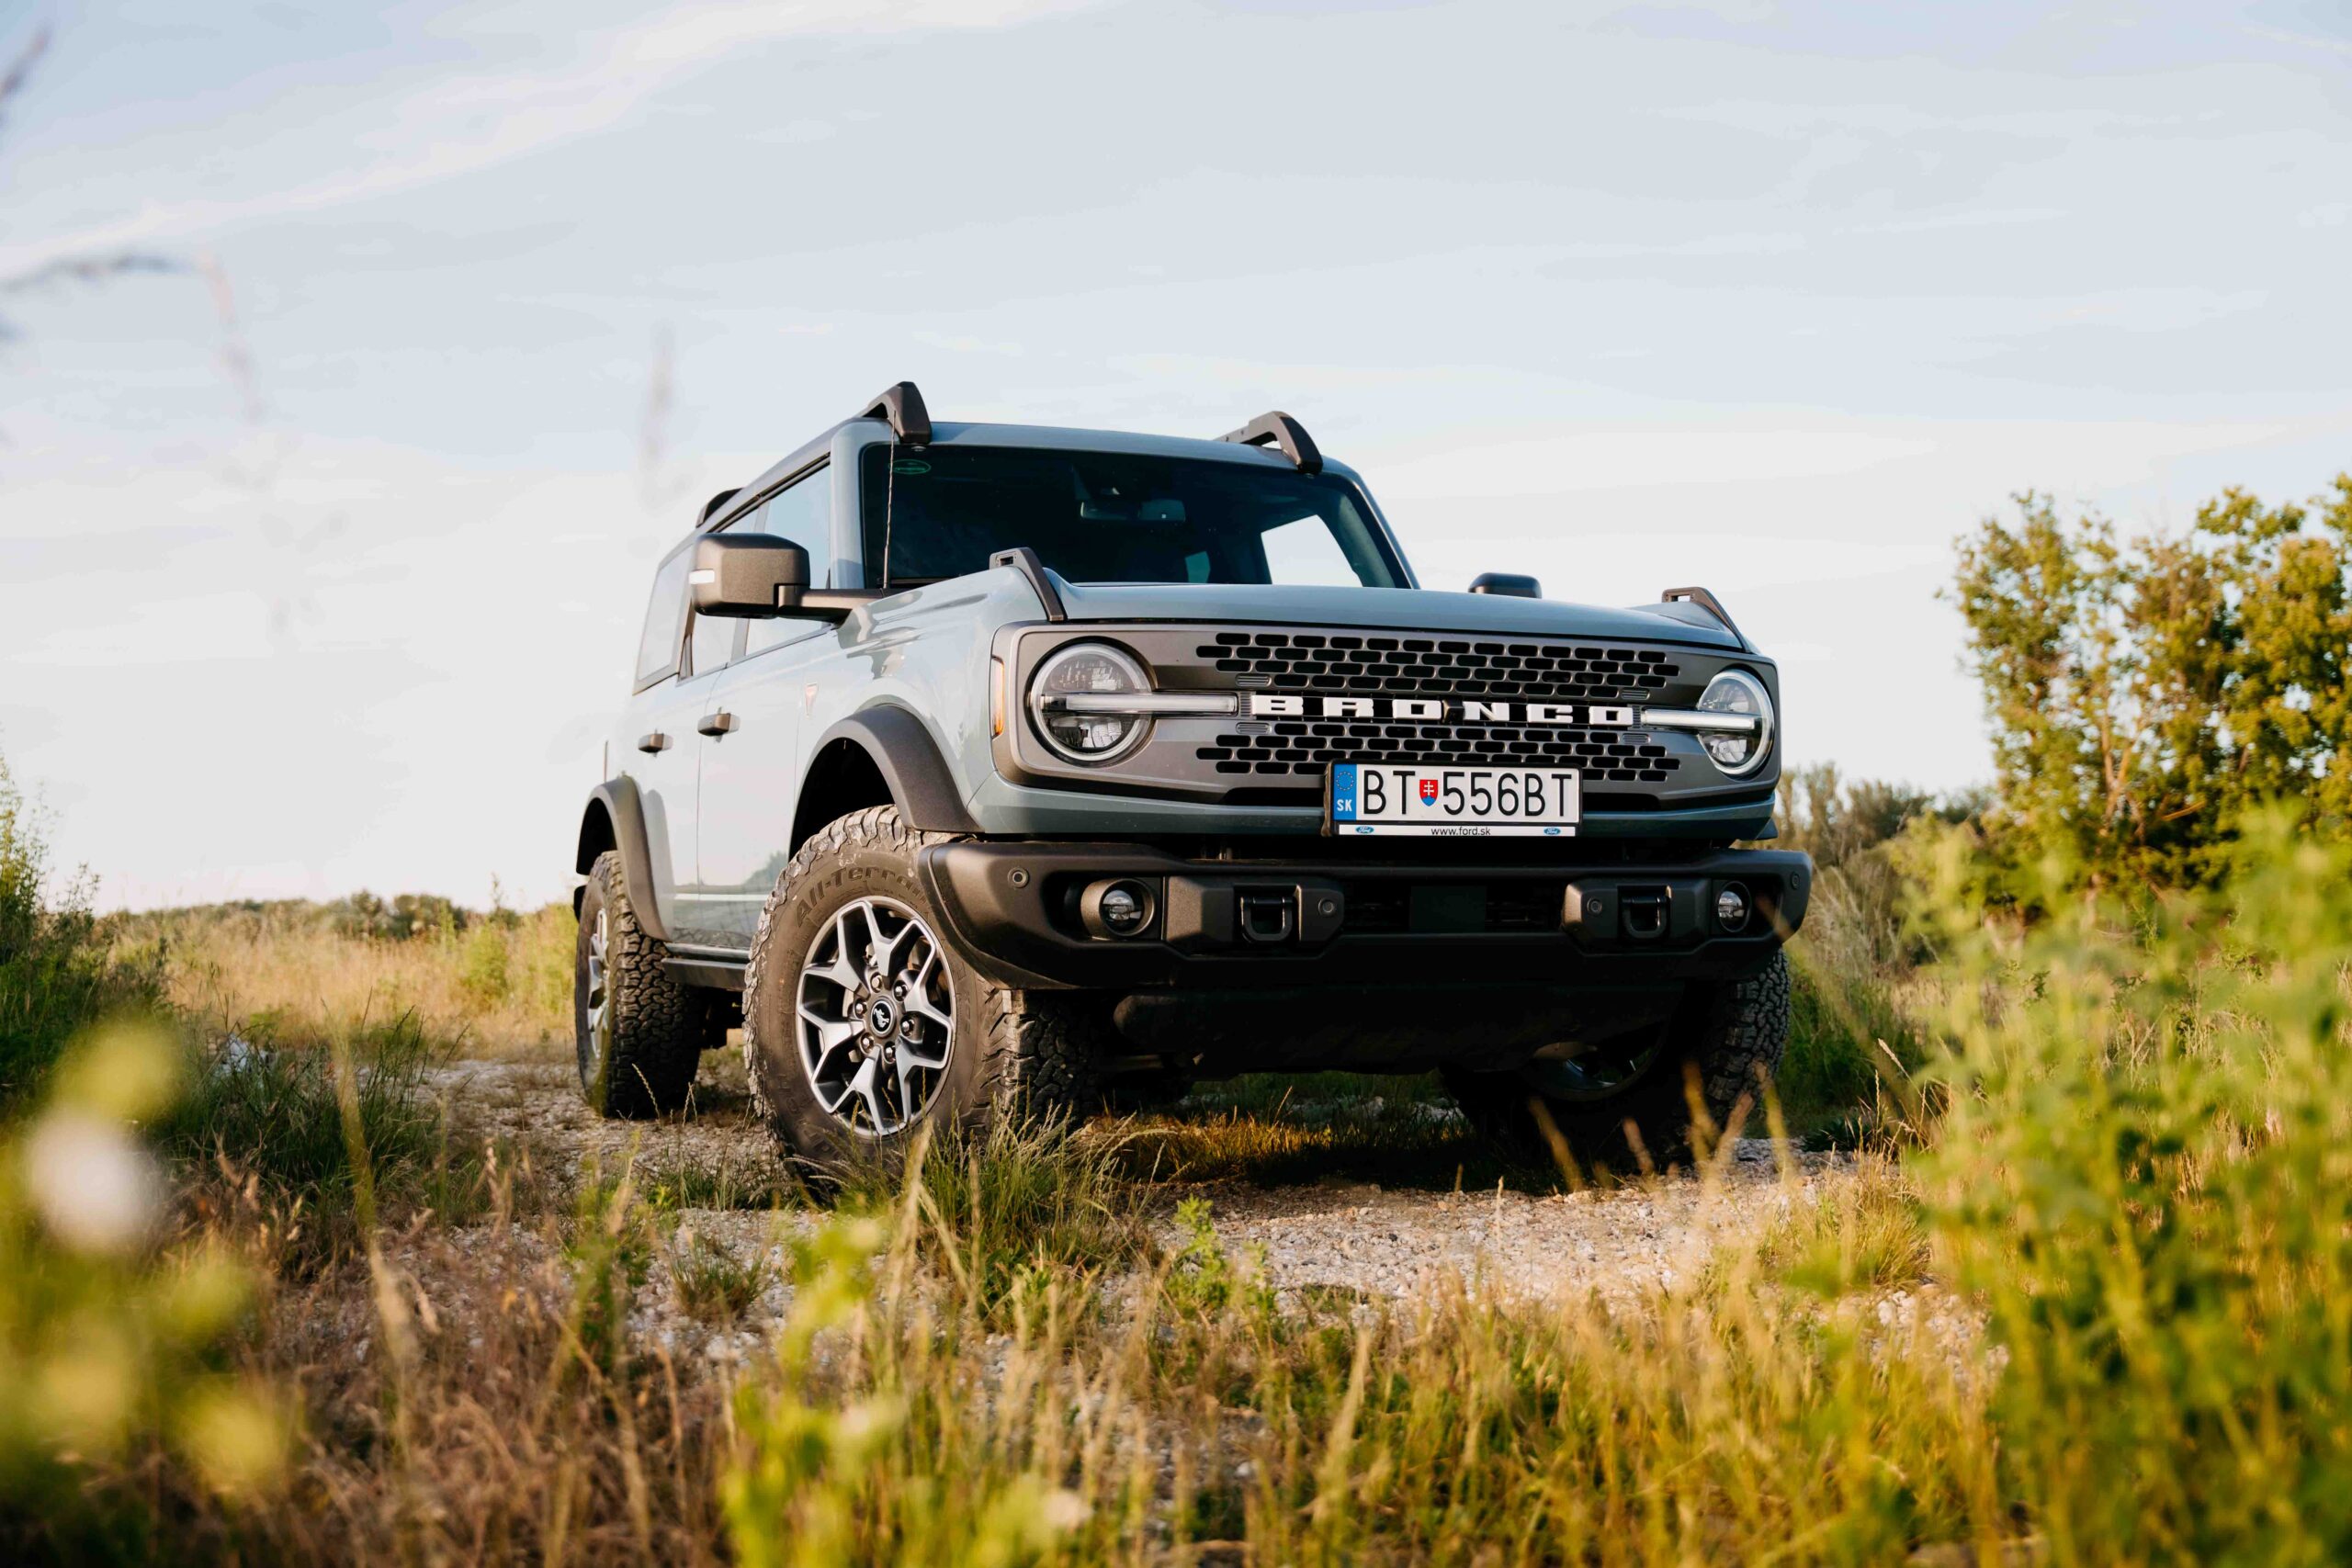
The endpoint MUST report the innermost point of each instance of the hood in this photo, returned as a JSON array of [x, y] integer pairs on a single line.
[[1407, 609]]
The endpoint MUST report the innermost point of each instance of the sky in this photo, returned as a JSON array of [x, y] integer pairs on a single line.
[[322, 556]]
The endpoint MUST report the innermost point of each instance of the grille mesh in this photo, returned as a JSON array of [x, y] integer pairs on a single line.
[[1412, 666], [1307, 746]]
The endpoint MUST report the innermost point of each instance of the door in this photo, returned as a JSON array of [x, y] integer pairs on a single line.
[[681, 662], [750, 774]]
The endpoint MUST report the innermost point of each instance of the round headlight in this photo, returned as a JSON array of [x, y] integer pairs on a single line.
[[1735, 690], [1085, 670]]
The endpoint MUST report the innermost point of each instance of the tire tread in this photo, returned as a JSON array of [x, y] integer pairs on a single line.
[[659, 1023]]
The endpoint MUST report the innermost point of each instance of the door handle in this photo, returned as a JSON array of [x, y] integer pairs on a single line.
[[657, 741], [719, 723]]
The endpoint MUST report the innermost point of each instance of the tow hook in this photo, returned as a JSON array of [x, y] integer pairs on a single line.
[[1267, 914], [1644, 911]]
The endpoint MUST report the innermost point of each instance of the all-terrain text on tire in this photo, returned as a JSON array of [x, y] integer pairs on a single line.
[[993, 770]]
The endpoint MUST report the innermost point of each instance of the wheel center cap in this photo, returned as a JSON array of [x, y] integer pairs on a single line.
[[882, 1016]]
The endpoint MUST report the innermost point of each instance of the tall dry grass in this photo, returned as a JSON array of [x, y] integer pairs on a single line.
[[497, 985]]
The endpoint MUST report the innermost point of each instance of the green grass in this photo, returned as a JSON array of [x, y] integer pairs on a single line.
[[714, 1284], [271, 1121], [1869, 1235], [751, 1179], [1000, 1206]]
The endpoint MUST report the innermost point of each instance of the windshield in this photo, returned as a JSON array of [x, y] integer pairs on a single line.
[[1117, 517]]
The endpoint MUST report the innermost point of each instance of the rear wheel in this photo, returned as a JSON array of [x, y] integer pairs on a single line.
[[639, 1034], [1728, 1035], [860, 1024]]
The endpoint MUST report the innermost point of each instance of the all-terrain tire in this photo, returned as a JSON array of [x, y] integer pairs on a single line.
[[1727, 1038], [637, 1055], [1010, 1052]]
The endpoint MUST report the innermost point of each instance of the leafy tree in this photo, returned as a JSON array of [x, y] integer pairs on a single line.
[[2145, 692]]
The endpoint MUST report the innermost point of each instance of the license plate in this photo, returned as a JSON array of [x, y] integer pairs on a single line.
[[1461, 803]]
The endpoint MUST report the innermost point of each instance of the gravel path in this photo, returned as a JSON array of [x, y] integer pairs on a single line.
[[1349, 1237], [1621, 1243]]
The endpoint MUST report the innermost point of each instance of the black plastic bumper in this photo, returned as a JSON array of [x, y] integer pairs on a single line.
[[1029, 914]]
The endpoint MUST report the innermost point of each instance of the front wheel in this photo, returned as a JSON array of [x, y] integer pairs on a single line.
[[860, 1024], [1627, 1100]]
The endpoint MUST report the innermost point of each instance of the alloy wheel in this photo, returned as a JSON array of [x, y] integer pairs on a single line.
[[599, 995], [874, 1016]]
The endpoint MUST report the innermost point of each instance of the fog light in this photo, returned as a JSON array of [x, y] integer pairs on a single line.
[[1731, 908], [1121, 908]]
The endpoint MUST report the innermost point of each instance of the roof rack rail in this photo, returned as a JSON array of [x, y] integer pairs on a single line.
[[715, 502], [901, 405], [1278, 429], [1712, 605]]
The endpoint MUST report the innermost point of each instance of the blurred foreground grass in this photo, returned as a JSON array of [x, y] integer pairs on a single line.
[[2086, 1297]]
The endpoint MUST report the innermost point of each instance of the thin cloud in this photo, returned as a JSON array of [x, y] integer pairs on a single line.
[[462, 126]]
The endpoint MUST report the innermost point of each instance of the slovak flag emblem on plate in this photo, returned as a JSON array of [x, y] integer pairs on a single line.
[[1428, 792]]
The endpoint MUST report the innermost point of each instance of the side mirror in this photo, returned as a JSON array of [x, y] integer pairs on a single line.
[[755, 576], [1510, 584]]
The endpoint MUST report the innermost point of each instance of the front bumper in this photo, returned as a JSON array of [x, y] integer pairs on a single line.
[[1016, 911], [1242, 966]]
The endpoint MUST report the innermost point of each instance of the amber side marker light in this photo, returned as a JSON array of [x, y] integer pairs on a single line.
[[996, 697]]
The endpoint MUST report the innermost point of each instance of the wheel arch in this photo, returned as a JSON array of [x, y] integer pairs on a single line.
[[615, 821], [878, 756]]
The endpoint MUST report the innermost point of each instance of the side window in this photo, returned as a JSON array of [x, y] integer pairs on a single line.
[[802, 513], [666, 618]]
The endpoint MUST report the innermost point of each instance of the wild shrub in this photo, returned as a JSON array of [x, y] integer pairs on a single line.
[[1848, 1028], [2145, 1176], [58, 971]]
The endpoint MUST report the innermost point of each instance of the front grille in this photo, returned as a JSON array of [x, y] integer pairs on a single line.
[[1412, 666], [1308, 746]]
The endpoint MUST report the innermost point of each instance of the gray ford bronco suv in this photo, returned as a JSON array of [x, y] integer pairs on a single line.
[[980, 766]]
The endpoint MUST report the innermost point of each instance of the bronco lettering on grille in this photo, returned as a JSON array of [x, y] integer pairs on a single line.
[[1274, 704]]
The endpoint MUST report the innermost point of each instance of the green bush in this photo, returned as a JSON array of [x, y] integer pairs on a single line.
[[1848, 1030], [2145, 1174], [57, 973]]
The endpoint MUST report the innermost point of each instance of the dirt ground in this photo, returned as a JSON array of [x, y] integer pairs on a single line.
[[1330, 1232]]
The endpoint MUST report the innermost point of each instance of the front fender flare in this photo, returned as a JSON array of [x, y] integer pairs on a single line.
[[627, 814], [911, 764]]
